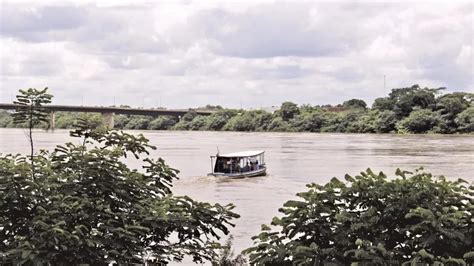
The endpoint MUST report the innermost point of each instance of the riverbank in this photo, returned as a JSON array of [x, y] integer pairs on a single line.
[[405, 110]]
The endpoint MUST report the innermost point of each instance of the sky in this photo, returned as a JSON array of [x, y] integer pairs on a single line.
[[180, 54]]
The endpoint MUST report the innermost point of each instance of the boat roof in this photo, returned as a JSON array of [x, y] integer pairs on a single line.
[[241, 154]]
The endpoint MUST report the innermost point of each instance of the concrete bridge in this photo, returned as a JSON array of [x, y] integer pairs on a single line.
[[108, 113]]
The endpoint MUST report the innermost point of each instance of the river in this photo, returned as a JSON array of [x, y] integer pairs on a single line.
[[293, 160]]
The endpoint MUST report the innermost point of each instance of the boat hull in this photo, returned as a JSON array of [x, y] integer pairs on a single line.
[[259, 172]]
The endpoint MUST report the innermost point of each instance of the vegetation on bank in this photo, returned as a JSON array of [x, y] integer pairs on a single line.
[[81, 204], [414, 219], [404, 110]]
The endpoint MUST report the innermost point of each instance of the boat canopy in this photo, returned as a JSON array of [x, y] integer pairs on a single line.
[[240, 154]]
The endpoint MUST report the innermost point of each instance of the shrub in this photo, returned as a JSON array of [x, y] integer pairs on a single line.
[[385, 122], [419, 121], [138, 122], [465, 120], [162, 123], [81, 204], [373, 220]]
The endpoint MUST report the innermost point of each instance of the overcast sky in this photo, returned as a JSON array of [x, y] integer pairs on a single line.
[[233, 53]]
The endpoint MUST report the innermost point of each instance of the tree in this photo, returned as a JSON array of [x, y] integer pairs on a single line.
[[406, 99], [138, 122], [31, 111], [6, 119], [372, 220], [185, 121], [365, 123], [278, 124], [198, 123], [288, 110], [465, 120], [255, 120], [385, 121], [227, 256], [162, 123], [450, 105], [355, 103], [419, 121], [308, 121], [86, 206], [121, 121], [219, 119], [384, 104]]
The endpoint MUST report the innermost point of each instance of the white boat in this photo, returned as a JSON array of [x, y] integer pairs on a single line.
[[239, 164]]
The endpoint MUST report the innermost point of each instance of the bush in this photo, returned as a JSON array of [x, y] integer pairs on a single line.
[[218, 120], [249, 121], [198, 123], [373, 220], [278, 124], [355, 103], [311, 121], [138, 122], [184, 122], [385, 122], [82, 205], [6, 119], [465, 120], [419, 121], [288, 110], [121, 121], [162, 123]]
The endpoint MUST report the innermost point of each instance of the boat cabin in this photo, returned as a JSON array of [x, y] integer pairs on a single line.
[[239, 164]]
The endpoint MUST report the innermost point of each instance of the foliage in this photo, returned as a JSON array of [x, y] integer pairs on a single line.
[[30, 108], [385, 121], [311, 121], [355, 103], [184, 122], [419, 121], [278, 124], [414, 97], [219, 119], [352, 116], [138, 122], [256, 120], [31, 113], [465, 120], [86, 206], [373, 220], [162, 123], [227, 256], [6, 120], [288, 110]]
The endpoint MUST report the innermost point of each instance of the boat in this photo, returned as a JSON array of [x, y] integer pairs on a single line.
[[239, 164]]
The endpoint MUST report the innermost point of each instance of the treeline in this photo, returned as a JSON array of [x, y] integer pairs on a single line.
[[405, 110]]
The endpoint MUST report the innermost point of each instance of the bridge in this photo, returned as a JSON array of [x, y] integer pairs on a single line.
[[108, 113]]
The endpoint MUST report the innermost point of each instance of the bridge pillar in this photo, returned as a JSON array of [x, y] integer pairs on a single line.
[[52, 120], [108, 119]]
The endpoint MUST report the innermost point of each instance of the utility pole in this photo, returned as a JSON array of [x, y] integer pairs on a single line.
[[384, 83]]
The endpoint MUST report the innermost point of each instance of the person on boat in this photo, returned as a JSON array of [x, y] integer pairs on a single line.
[[246, 167], [237, 168], [256, 165]]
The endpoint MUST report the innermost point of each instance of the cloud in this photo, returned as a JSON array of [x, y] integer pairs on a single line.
[[260, 53]]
